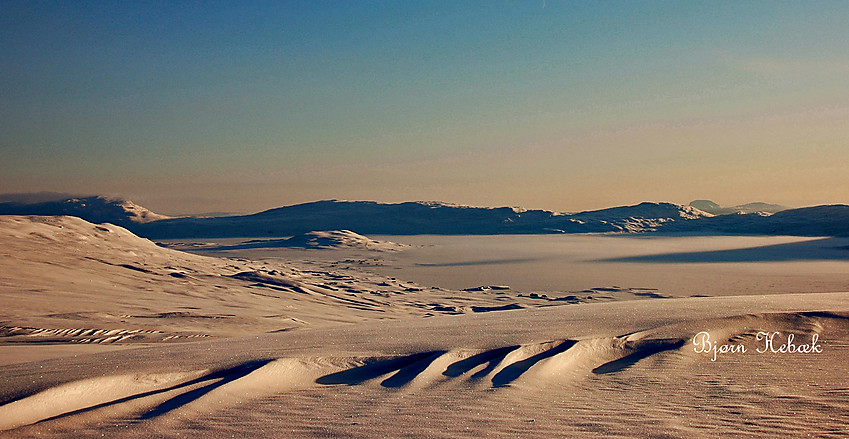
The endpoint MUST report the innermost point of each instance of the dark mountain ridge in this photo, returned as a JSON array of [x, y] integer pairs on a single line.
[[411, 218]]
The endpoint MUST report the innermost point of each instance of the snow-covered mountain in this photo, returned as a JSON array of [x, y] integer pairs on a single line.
[[716, 209], [93, 209], [408, 218], [643, 217], [427, 217], [828, 220]]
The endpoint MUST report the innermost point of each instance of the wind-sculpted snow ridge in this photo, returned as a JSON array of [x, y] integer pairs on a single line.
[[21, 335], [634, 380]]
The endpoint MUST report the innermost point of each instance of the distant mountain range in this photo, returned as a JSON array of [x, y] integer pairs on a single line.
[[367, 217], [410, 218]]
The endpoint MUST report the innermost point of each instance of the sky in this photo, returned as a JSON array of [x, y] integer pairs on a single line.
[[229, 106]]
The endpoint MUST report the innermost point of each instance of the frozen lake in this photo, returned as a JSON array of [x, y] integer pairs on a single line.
[[671, 265]]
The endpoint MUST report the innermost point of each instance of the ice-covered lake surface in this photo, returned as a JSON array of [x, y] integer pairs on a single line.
[[675, 266]]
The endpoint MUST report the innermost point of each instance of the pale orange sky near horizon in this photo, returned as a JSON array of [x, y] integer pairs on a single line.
[[782, 158], [572, 106]]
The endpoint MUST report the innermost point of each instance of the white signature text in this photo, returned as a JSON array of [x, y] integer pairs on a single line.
[[770, 342]]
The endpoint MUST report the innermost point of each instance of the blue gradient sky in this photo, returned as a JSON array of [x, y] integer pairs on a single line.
[[240, 106]]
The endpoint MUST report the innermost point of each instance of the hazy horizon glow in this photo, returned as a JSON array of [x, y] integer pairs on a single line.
[[198, 107]]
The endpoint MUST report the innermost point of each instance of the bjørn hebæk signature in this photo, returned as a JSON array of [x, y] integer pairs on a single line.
[[770, 343]]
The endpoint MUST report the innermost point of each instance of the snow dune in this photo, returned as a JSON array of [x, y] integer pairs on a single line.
[[490, 363]]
